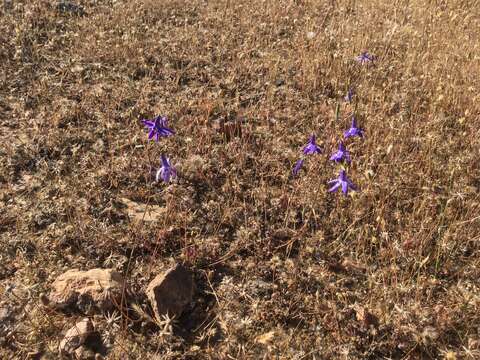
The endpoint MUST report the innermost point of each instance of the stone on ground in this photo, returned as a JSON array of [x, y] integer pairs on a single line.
[[170, 292], [76, 337], [96, 288]]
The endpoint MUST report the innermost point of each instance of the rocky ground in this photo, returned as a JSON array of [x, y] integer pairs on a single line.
[[244, 254]]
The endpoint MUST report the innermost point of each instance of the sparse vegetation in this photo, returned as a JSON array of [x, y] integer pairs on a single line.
[[283, 268]]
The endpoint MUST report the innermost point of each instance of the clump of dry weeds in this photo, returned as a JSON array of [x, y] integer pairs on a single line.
[[283, 268]]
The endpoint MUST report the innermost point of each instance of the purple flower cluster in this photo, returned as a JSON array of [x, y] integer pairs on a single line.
[[310, 148], [158, 128], [365, 58], [342, 155]]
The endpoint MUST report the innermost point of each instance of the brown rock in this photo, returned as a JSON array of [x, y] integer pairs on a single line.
[[171, 291], [100, 288], [76, 336]]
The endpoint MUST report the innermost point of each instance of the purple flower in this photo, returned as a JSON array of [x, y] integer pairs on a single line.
[[311, 147], [166, 171], [158, 127], [298, 166], [341, 154], [354, 130], [343, 182], [349, 96], [365, 58]]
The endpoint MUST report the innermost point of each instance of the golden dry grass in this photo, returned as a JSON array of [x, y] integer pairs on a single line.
[[284, 269]]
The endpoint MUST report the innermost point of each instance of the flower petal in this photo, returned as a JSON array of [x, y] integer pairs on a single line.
[[166, 176], [158, 175], [163, 131], [336, 156], [148, 123], [165, 161], [298, 166], [335, 187], [352, 185]]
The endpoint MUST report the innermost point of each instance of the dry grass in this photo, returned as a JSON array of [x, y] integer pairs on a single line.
[[284, 269]]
